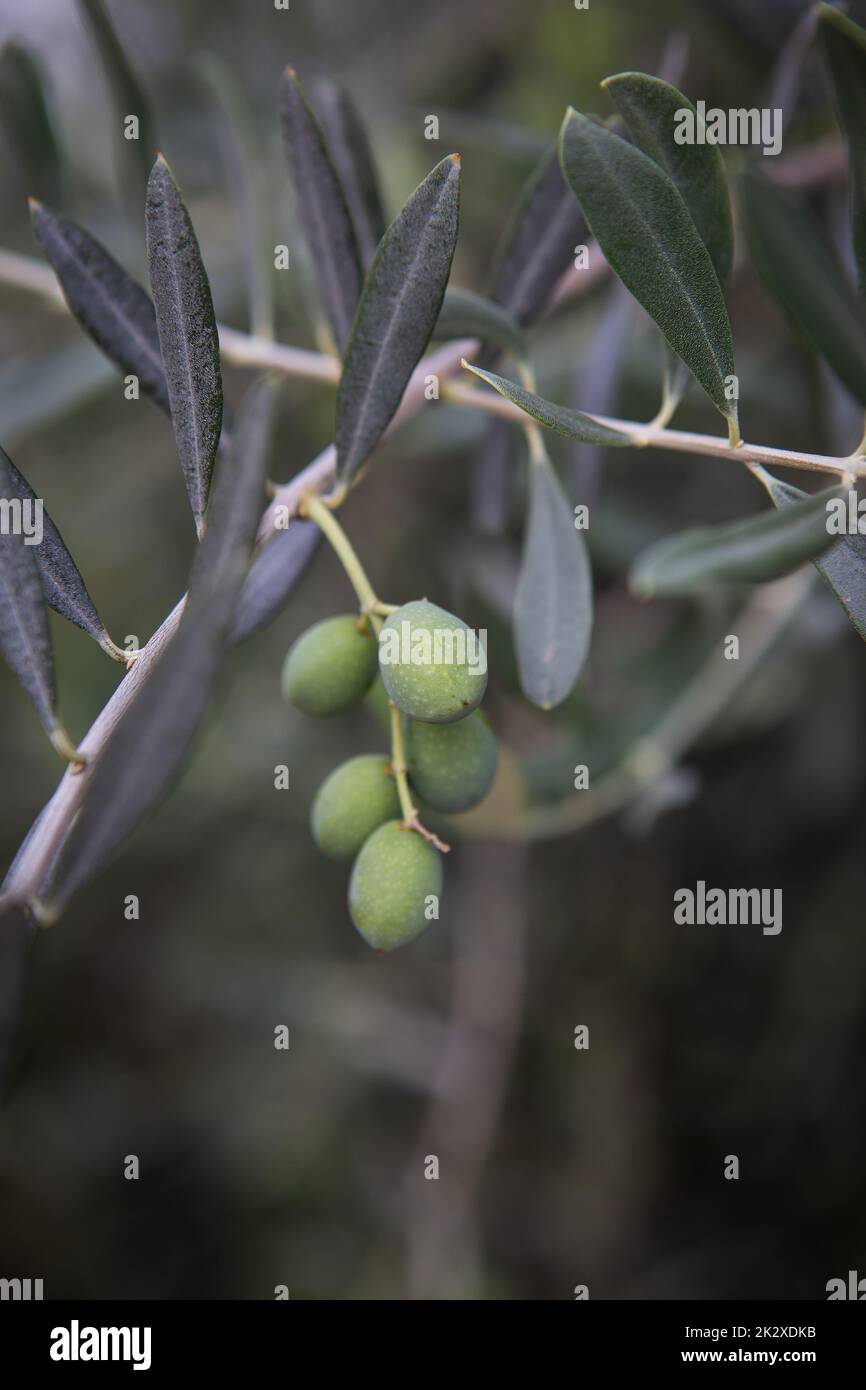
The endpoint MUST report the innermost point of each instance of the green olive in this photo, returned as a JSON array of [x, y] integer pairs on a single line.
[[358, 796], [394, 878], [330, 666], [452, 766], [433, 666]]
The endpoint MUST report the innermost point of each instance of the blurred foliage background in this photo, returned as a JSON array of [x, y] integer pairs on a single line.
[[155, 1038]]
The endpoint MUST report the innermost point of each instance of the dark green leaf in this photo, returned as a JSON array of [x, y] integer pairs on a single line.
[[647, 235], [842, 568], [276, 570], [188, 336], [24, 112], [753, 551], [150, 742], [538, 244], [844, 45], [399, 307], [238, 142], [280, 562], [804, 276], [127, 91], [553, 603], [649, 108], [353, 159], [572, 423], [62, 584], [111, 308], [467, 315], [24, 637], [323, 209]]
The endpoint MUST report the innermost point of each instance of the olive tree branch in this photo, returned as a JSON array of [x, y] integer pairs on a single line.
[[46, 837], [243, 349]]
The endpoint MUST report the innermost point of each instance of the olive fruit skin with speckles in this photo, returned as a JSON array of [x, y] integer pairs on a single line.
[[330, 666], [429, 662], [351, 803], [393, 877], [452, 766]]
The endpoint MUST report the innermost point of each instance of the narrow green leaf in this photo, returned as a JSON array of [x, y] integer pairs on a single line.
[[64, 589], [467, 315], [353, 159], [538, 243], [553, 603], [127, 92], [650, 109], [111, 308], [647, 235], [803, 275], [29, 129], [323, 209], [238, 142], [844, 45], [24, 637], [572, 423], [188, 336], [276, 570], [675, 376], [399, 307], [842, 568], [753, 551], [150, 742]]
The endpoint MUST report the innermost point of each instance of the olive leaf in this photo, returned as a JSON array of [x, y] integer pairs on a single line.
[[188, 336], [538, 244], [647, 235], [127, 91], [237, 142], [399, 306], [25, 640], [649, 107], [28, 125], [63, 587], [111, 308], [842, 568], [753, 551], [323, 209], [553, 602], [844, 46], [150, 741], [802, 273], [353, 159], [561, 418], [281, 560], [468, 315], [276, 570]]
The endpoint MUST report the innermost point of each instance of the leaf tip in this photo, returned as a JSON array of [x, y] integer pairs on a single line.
[[455, 159]]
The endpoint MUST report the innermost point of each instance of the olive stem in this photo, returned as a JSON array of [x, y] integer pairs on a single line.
[[400, 768], [314, 508]]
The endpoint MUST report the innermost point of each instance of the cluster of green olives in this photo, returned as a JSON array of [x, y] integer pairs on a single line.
[[425, 663]]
